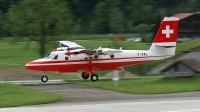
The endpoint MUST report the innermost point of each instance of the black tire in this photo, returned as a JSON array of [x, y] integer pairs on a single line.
[[94, 77], [44, 78], [112, 55], [95, 56], [85, 76]]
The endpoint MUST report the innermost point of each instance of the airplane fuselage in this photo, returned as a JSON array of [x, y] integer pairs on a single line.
[[78, 62]]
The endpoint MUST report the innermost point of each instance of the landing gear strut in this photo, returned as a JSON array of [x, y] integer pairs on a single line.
[[44, 78], [90, 69]]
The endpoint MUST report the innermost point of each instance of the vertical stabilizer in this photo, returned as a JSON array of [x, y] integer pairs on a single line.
[[164, 43]]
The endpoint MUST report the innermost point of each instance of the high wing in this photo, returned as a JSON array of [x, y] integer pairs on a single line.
[[69, 44], [77, 48]]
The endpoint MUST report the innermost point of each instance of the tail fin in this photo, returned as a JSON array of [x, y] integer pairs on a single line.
[[165, 41]]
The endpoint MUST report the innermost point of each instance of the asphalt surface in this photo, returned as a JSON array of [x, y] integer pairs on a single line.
[[83, 94], [148, 106], [87, 99]]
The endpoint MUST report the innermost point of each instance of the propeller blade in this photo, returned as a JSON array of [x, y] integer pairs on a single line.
[[99, 47]]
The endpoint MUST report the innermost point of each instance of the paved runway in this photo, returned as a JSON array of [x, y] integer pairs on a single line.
[[87, 99], [146, 106], [81, 94]]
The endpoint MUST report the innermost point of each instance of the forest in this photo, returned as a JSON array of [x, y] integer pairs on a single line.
[[108, 16]]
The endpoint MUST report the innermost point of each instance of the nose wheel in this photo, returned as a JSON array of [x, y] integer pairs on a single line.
[[44, 78]]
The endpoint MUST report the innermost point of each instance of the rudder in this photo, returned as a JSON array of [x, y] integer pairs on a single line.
[[165, 41]]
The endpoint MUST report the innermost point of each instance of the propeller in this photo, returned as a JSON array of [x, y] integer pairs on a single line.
[[99, 51], [68, 53]]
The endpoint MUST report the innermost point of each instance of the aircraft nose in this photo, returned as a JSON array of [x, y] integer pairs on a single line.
[[38, 65], [29, 66]]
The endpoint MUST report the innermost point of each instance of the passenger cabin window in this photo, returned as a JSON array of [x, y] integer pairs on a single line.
[[55, 57], [66, 58]]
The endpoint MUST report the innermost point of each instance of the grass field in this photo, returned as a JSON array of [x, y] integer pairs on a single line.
[[13, 95], [82, 37], [18, 54], [151, 85]]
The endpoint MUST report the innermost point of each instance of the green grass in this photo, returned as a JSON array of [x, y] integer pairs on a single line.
[[13, 95], [105, 36], [156, 85], [80, 37]]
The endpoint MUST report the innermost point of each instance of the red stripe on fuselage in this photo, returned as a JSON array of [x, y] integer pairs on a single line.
[[77, 67], [86, 60]]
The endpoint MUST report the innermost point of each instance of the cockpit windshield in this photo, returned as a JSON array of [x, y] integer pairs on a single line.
[[51, 55]]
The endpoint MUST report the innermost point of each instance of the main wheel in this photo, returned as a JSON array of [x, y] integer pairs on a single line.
[[112, 55], [95, 56], [84, 76], [94, 77], [44, 78]]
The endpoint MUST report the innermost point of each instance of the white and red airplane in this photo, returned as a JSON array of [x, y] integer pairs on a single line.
[[72, 57]]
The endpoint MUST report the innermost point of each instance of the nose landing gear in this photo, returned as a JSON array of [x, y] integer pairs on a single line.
[[44, 78]]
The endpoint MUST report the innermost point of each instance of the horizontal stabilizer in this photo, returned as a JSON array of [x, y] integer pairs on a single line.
[[165, 46]]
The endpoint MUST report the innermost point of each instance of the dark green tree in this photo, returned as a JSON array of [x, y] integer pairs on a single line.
[[116, 21], [101, 18], [192, 6], [38, 19], [102, 15], [142, 29], [141, 11], [1, 25], [5, 4]]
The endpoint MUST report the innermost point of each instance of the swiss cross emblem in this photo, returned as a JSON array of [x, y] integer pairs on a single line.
[[167, 31]]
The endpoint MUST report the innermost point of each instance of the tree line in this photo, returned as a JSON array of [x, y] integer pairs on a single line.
[[41, 18], [115, 16]]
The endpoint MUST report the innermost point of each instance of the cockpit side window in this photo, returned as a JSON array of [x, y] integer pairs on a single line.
[[55, 57], [51, 55]]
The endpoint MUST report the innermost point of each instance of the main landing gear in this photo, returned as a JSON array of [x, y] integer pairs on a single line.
[[93, 77], [90, 69], [85, 76]]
